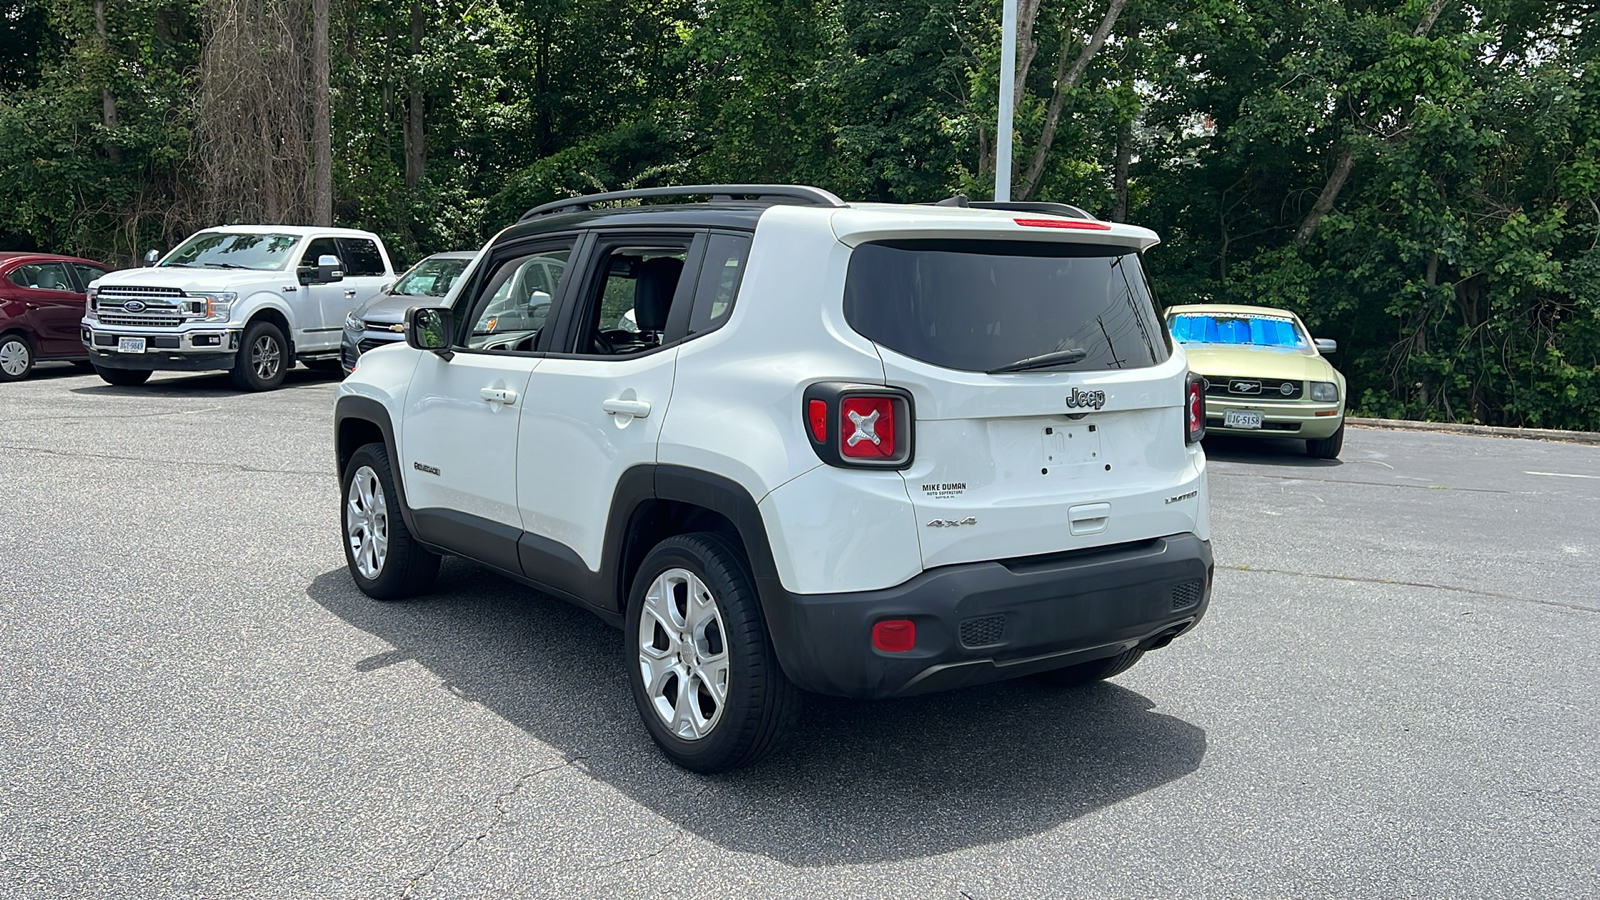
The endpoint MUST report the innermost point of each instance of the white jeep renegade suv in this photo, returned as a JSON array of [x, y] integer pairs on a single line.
[[790, 443]]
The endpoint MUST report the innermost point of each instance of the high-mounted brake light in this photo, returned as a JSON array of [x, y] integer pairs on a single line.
[[1194, 409], [859, 425], [1080, 224]]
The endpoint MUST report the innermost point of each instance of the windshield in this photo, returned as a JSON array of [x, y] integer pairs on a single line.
[[230, 250], [430, 278], [1002, 306], [1229, 328]]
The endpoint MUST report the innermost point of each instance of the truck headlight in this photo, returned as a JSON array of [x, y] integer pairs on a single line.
[[1324, 392], [89, 304], [209, 306]]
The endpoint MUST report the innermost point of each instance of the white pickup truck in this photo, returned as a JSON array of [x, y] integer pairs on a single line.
[[248, 299]]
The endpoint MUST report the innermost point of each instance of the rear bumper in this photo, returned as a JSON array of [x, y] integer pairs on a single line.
[[990, 621]]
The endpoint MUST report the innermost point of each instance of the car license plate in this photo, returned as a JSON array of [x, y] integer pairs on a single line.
[[130, 345], [1238, 418]]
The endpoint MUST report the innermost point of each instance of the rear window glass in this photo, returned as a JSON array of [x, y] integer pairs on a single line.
[[981, 305]]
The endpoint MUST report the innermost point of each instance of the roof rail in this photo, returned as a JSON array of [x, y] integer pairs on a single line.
[[1054, 209], [806, 196]]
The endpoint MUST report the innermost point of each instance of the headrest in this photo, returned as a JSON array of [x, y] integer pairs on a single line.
[[655, 281]]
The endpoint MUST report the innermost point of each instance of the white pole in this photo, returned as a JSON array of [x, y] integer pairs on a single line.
[[1008, 77]]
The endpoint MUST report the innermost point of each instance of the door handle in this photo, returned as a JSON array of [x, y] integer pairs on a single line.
[[498, 395], [636, 408], [349, 293]]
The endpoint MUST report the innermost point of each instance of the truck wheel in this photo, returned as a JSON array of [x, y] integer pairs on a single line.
[[263, 358], [386, 562], [1328, 447], [703, 671], [1089, 672], [123, 377], [16, 358]]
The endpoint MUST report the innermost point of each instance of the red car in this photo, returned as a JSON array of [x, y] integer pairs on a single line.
[[41, 303]]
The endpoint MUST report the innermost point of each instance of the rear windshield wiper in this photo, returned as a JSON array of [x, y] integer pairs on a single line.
[[1058, 358]]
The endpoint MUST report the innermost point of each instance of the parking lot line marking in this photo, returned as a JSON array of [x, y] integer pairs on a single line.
[[1417, 584], [1561, 475]]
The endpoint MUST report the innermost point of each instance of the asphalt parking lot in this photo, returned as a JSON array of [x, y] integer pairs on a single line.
[[1394, 694]]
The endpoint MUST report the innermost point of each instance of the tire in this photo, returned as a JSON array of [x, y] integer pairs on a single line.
[[123, 377], [673, 679], [16, 357], [1328, 447], [1090, 672], [263, 357], [385, 561]]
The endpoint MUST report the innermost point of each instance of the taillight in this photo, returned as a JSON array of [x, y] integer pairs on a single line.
[[859, 425], [1195, 409]]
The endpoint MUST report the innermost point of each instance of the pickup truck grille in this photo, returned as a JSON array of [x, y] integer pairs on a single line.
[[120, 293], [154, 318]]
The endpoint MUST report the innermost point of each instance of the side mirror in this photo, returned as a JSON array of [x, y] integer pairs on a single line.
[[1326, 345], [429, 328], [329, 269], [150, 257]]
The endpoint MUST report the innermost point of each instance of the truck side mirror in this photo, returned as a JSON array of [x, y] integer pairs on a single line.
[[329, 269], [429, 328], [150, 257]]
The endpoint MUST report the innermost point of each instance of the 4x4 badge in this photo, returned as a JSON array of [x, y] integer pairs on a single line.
[[952, 523], [1086, 399]]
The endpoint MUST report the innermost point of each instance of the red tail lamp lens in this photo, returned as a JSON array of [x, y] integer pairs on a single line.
[[817, 412], [1196, 409], [895, 635], [866, 427], [1080, 224]]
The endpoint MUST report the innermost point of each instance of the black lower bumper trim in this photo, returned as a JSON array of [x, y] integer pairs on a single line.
[[1053, 611], [164, 362]]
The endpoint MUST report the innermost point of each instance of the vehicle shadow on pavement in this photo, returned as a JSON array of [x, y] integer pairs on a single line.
[[859, 782], [1265, 451], [205, 384]]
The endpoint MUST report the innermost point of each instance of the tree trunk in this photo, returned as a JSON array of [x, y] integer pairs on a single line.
[[1027, 45], [321, 112], [1066, 80], [1119, 175], [415, 133], [1330, 193], [108, 103]]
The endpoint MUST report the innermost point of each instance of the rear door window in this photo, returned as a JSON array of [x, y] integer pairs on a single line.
[[360, 257], [977, 306]]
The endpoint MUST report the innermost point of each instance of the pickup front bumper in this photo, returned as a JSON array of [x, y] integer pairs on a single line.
[[189, 350], [991, 621]]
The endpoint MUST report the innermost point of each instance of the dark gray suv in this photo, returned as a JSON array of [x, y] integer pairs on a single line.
[[380, 320]]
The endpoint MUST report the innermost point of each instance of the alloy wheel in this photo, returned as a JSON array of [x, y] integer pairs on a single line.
[[265, 357], [683, 654], [14, 357], [366, 523]]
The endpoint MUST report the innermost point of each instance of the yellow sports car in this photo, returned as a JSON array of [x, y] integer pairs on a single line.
[[1267, 375]]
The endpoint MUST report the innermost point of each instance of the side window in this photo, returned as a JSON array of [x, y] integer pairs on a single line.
[[515, 302], [626, 311], [360, 257], [87, 274], [318, 248], [43, 277], [719, 281]]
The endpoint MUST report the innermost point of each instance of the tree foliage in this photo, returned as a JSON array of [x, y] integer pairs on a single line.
[[1419, 179]]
